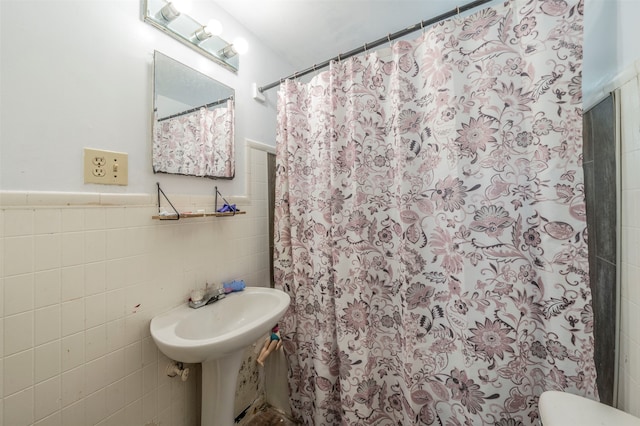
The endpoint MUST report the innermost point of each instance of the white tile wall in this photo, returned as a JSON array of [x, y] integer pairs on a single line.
[[79, 285], [629, 376]]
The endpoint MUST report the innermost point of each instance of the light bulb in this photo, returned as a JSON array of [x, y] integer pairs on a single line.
[[214, 27], [184, 6], [240, 45]]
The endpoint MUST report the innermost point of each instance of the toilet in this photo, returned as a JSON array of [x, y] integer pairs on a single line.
[[564, 409]]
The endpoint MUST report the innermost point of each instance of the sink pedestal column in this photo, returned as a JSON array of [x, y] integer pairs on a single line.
[[219, 380]]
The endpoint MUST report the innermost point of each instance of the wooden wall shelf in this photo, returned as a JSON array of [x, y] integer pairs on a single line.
[[190, 215], [187, 215]]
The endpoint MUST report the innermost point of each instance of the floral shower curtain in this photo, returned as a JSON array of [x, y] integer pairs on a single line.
[[430, 225], [200, 143]]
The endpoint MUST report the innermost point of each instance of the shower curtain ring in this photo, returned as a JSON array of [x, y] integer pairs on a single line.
[[458, 10], [365, 47], [389, 39], [422, 26]]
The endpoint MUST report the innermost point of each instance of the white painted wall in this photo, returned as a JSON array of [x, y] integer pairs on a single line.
[[611, 44], [78, 73]]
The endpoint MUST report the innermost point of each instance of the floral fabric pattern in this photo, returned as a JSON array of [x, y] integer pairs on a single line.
[[431, 229], [200, 143]]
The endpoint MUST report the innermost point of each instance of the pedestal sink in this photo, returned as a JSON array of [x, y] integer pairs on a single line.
[[216, 335]]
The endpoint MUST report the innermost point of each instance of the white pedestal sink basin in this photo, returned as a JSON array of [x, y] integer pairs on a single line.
[[216, 335]]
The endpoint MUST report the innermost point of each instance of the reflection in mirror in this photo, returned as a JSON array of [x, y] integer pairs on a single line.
[[193, 127]]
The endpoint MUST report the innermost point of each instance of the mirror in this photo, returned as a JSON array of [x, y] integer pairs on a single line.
[[193, 122]]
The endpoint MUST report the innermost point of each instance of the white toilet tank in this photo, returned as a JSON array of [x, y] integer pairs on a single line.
[[565, 409]]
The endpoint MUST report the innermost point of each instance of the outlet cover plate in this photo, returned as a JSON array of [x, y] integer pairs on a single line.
[[106, 167]]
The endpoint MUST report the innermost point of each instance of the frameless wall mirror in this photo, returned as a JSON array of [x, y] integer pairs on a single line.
[[193, 122], [171, 17]]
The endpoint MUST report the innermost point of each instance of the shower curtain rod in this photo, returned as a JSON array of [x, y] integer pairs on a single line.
[[178, 114], [392, 36]]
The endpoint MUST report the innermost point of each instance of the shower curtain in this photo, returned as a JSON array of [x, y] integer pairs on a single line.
[[430, 225], [200, 143]]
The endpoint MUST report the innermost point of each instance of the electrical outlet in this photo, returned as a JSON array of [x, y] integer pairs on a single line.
[[106, 167]]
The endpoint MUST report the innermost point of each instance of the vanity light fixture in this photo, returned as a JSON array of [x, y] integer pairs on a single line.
[[239, 46], [213, 28], [200, 35], [228, 52], [173, 8], [171, 17], [168, 12]]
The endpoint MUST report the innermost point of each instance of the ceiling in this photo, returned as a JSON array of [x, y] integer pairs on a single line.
[[308, 32]]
